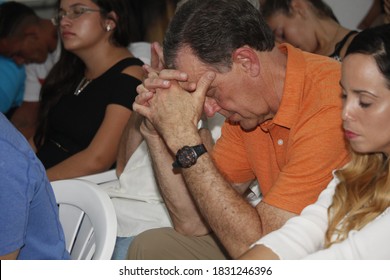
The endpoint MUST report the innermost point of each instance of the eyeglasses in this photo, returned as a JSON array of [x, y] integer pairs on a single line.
[[73, 13]]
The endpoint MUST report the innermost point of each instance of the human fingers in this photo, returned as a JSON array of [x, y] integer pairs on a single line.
[[141, 107], [203, 85], [164, 79], [199, 95], [155, 82], [188, 86], [172, 74], [144, 95], [150, 71], [148, 128], [157, 57]]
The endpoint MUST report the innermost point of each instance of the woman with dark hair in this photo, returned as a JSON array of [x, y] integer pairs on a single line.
[[351, 218], [87, 96], [309, 25]]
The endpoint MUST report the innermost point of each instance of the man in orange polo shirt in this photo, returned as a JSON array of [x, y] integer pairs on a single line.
[[283, 128]]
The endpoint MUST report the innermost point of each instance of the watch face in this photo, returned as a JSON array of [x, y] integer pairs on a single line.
[[186, 157]]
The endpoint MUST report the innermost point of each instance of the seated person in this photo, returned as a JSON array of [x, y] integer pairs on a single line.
[[138, 203], [37, 45], [29, 222], [28, 39], [351, 217], [11, 85], [136, 197], [87, 96], [309, 25], [275, 122]]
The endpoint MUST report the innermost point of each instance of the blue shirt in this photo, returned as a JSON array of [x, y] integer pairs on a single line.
[[28, 211], [12, 78]]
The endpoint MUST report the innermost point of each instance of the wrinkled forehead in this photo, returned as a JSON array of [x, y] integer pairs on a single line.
[[186, 61]]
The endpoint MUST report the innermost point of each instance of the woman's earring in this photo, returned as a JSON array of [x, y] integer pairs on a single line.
[[108, 28]]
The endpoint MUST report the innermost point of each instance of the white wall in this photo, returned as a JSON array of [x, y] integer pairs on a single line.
[[44, 8], [349, 12]]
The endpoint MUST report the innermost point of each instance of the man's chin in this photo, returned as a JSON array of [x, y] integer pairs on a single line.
[[247, 127], [245, 124]]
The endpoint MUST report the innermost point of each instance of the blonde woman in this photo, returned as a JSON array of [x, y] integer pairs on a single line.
[[351, 218]]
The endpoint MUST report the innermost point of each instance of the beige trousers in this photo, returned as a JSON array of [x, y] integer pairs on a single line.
[[167, 244]]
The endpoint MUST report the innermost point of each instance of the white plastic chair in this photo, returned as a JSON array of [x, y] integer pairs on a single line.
[[88, 219], [100, 178]]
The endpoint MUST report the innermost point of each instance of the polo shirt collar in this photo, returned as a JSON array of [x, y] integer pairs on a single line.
[[287, 113]]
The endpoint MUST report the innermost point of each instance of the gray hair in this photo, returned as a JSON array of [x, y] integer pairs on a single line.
[[213, 29]]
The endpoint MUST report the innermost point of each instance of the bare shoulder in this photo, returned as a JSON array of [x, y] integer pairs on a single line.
[[272, 218], [135, 71]]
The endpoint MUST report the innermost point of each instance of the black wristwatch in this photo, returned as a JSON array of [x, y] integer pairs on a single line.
[[187, 156]]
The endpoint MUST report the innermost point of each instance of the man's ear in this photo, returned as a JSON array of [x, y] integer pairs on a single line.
[[246, 58]]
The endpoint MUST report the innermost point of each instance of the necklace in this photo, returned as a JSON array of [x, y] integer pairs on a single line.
[[82, 85]]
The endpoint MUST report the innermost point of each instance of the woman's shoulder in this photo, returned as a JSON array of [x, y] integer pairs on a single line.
[[126, 63], [130, 66], [134, 69], [342, 46]]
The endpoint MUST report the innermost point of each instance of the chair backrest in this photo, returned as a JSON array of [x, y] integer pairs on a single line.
[[88, 219]]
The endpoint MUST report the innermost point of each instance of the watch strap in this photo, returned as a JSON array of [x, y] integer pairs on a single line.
[[197, 149]]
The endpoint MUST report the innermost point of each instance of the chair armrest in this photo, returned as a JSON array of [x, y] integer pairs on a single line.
[[100, 178]]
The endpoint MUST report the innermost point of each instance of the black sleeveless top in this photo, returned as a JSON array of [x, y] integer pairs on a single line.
[[340, 45], [75, 119]]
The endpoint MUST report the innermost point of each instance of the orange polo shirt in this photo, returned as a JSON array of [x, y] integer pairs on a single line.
[[293, 155]]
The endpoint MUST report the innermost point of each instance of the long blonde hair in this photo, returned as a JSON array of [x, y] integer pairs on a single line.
[[362, 194]]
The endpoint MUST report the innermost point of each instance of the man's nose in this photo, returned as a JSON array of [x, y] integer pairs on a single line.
[[211, 107]]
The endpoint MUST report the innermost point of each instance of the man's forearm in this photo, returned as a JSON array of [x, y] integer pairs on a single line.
[[182, 209], [235, 222]]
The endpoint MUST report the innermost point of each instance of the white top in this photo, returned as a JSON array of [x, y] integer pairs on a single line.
[[136, 198], [303, 237], [37, 72]]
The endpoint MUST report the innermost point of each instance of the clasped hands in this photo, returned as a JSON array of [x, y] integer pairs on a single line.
[[170, 103]]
